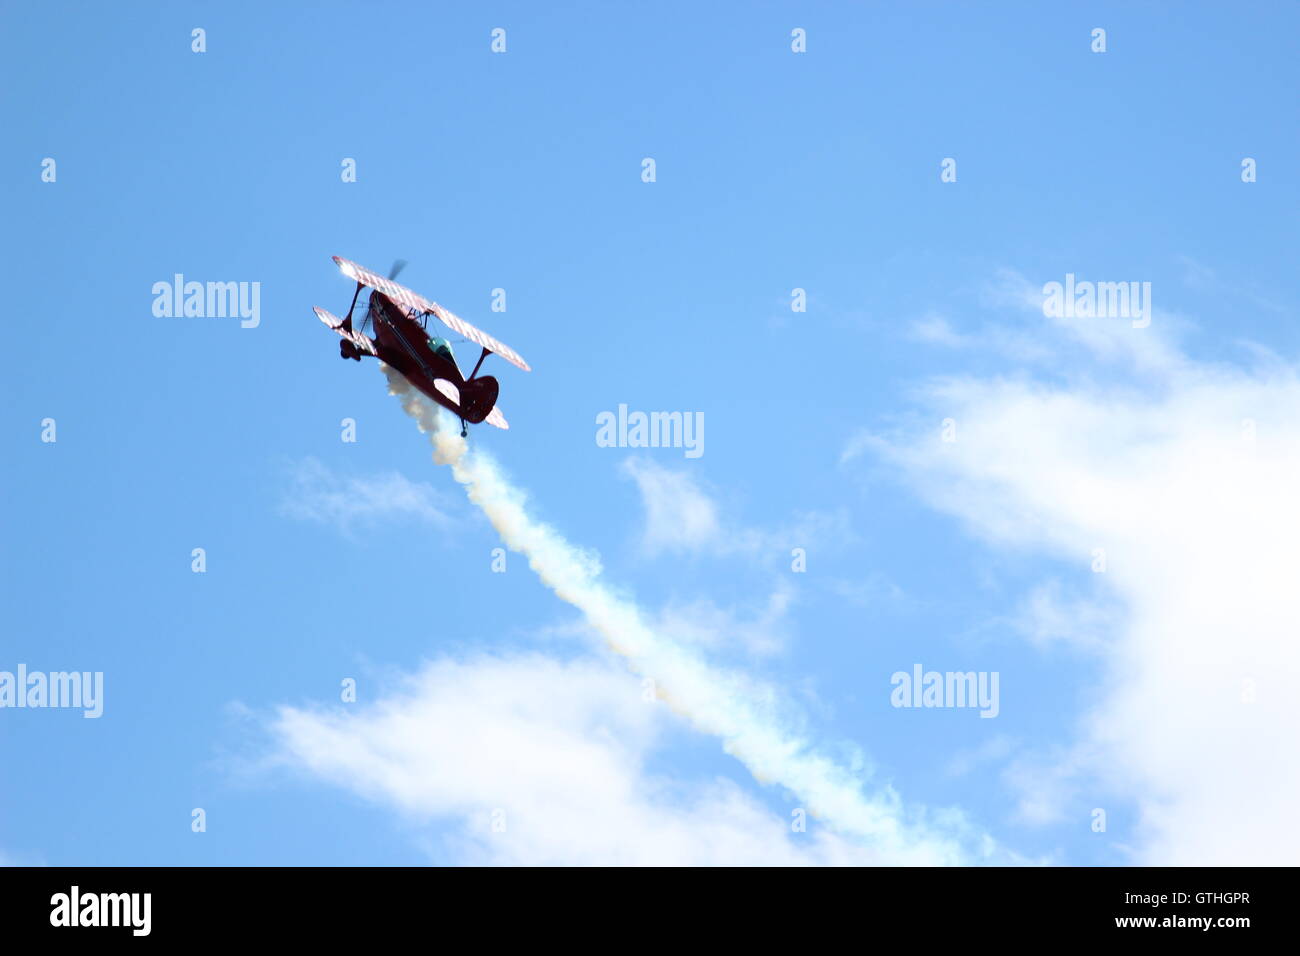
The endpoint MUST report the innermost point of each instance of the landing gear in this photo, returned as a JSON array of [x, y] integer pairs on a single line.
[[463, 430], [348, 350]]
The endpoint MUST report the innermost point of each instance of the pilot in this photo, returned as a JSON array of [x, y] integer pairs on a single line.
[[442, 348]]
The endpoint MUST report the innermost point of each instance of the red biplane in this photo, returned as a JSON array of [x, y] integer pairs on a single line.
[[403, 342]]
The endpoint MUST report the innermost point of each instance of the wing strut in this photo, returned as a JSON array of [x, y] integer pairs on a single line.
[[486, 352]]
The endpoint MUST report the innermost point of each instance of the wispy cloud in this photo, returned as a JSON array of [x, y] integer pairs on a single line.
[[934, 329], [704, 623], [317, 493], [1206, 281], [682, 517], [1152, 350], [1025, 334], [1049, 617], [679, 516]]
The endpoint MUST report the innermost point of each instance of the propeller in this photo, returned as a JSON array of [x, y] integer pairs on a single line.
[[398, 266]]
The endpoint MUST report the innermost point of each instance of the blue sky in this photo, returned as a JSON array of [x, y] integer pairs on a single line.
[[1124, 690]]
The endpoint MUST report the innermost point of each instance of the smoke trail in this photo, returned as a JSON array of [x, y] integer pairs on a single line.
[[754, 727]]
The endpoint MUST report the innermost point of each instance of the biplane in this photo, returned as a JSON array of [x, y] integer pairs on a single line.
[[402, 340]]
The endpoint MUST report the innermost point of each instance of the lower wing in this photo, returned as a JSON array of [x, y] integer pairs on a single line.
[[362, 342]]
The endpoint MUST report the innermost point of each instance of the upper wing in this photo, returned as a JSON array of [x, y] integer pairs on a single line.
[[457, 324], [362, 342], [413, 300]]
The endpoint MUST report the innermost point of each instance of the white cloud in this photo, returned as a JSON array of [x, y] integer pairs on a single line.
[[320, 494], [555, 751], [874, 589], [1189, 482], [1206, 281], [679, 516], [704, 623], [1027, 335], [934, 329], [995, 750], [1048, 617], [1151, 350]]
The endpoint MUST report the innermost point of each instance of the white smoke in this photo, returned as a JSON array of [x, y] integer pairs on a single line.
[[755, 726]]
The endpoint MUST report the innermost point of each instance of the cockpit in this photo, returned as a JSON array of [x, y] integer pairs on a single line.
[[442, 348]]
